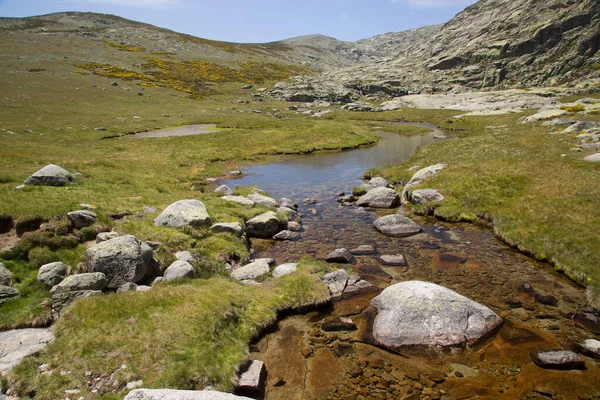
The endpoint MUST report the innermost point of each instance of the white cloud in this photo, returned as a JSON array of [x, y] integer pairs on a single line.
[[434, 3], [134, 3]]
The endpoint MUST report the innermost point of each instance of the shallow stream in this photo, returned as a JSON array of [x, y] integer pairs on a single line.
[[305, 362]]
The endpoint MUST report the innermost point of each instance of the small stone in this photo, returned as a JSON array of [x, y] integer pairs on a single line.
[[285, 269], [590, 347], [105, 236], [6, 275], [286, 235], [363, 250], [341, 256], [294, 226], [512, 303], [88, 207], [126, 287], [179, 269], [81, 218], [559, 359], [334, 324], [336, 282], [393, 260], [134, 385], [547, 300]]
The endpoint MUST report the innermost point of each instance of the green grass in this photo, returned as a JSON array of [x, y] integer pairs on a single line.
[[184, 336]]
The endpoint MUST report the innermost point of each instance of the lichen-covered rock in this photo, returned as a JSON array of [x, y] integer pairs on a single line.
[[264, 225], [172, 394], [396, 225], [252, 271], [580, 126], [179, 269], [52, 274], [262, 200], [5, 276], [7, 293], [284, 269], [418, 313], [235, 228], [424, 196], [81, 218], [50, 175], [184, 212], [123, 259], [380, 197]]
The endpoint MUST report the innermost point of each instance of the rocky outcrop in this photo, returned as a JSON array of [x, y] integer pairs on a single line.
[[50, 175], [52, 274], [396, 225], [379, 197], [123, 259], [418, 313], [17, 344], [264, 225], [172, 394], [184, 212]]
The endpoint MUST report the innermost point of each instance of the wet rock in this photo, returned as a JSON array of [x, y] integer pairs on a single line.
[[396, 225], [590, 347], [419, 177], [252, 378], [262, 200], [346, 199], [341, 256], [52, 274], [547, 300], [7, 293], [593, 158], [263, 226], [397, 260], [294, 226], [239, 199], [104, 236], [179, 269], [234, 228], [288, 212], [422, 313], [512, 303], [287, 203], [224, 190], [127, 287], [15, 345], [380, 197], [424, 196], [580, 127], [252, 271], [559, 359], [334, 324], [5, 275], [286, 235], [81, 218], [50, 175], [526, 288], [123, 259], [363, 250], [285, 269], [336, 282], [172, 394], [184, 212], [309, 201], [359, 285]]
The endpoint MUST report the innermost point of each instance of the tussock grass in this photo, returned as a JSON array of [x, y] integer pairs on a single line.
[[186, 335]]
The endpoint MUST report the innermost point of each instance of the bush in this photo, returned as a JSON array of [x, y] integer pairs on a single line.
[[207, 267], [40, 256]]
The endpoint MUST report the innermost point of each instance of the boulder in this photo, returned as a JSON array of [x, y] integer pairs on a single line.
[[336, 282], [235, 228], [263, 226], [593, 158], [288, 212], [285, 269], [5, 276], [50, 175], [252, 271], [127, 287], [590, 347], [396, 260], [17, 344], [558, 359], [377, 182], [123, 259], [396, 225], [342, 256], [76, 287], [286, 235], [224, 190], [184, 212], [423, 196], [239, 199], [104, 236], [252, 378], [81, 218], [262, 200], [179, 269], [424, 314], [380, 197], [363, 250], [419, 177], [173, 394], [52, 274], [8, 293]]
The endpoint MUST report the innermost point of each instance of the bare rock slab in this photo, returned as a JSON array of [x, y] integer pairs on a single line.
[[235, 228], [173, 394], [559, 359], [396, 225], [262, 200], [184, 212], [424, 196], [239, 200], [416, 313], [419, 177], [393, 260], [18, 344], [363, 250]]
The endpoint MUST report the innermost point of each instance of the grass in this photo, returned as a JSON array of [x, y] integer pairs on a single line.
[[185, 335]]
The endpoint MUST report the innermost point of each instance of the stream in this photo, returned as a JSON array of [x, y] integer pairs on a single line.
[[305, 362]]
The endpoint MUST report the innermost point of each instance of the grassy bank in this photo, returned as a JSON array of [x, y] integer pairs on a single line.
[[186, 335]]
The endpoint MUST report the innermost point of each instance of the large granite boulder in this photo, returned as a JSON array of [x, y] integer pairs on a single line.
[[8, 293], [50, 175], [184, 212], [264, 225], [418, 313], [396, 225], [123, 259], [17, 344], [252, 271], [52, 274], [419, 177], [173, 394], [179, 269], [262, 200], [5, 276], [81, 218], [380, 197]]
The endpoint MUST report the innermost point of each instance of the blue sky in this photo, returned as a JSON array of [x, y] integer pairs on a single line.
[[260, 20]]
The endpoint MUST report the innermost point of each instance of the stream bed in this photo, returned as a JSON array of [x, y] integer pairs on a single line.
[[305, 362]]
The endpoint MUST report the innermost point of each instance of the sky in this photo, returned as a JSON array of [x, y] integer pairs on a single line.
[[259, 21]]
